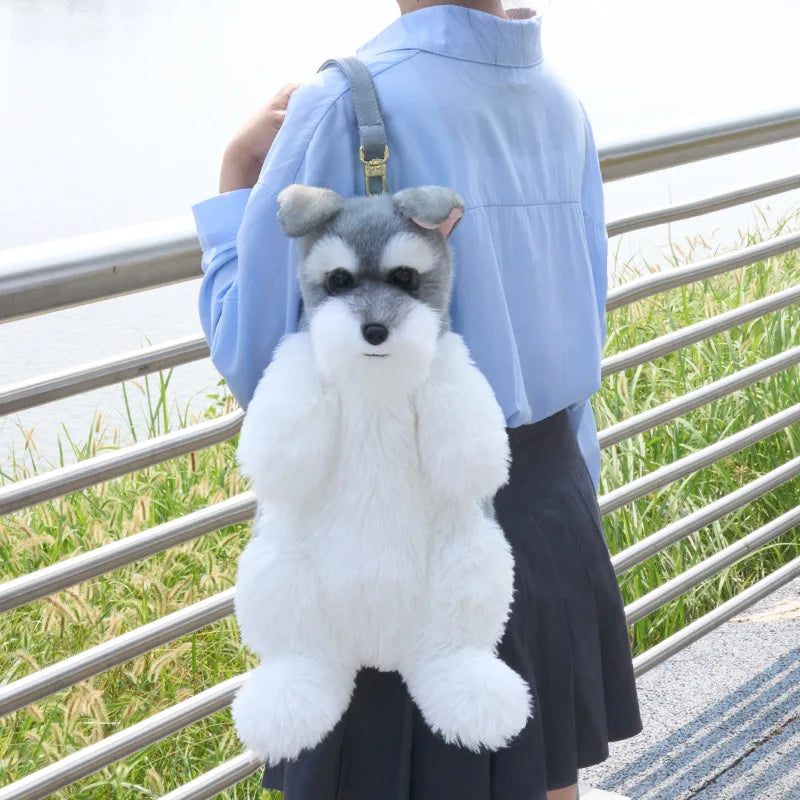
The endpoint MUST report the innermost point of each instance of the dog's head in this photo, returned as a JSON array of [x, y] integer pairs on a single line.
[[375, 275]]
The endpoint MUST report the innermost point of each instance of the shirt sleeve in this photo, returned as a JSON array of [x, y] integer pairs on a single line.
[[581, 415], [218, 220], [595, 222], [249, 296]]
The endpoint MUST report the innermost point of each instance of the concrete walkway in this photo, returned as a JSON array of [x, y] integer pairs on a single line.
[[722, 718]]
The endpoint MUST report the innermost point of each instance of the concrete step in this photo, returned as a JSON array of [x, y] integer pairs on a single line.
[[721, 718], [590, 793], [771, 769]]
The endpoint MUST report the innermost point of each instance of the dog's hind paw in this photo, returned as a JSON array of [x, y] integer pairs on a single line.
[[288, 705], [472, 699]]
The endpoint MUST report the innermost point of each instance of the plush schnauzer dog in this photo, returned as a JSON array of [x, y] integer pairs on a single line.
[[374, 446]]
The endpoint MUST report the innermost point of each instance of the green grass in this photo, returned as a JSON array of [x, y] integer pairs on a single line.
[[634, 391], [43, 632]]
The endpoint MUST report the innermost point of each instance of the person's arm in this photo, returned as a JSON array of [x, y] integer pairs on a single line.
[[218, 221], [581, 417], [244, 156], [219, 218], [581, 414], [249, 297]]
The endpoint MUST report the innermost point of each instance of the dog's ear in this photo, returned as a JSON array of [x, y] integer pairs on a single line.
[[303, 208], [431, 207]]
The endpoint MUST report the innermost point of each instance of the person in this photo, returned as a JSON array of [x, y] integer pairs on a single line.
[[468, 103]]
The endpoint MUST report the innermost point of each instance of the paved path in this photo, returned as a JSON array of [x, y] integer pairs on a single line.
[[722, 718]]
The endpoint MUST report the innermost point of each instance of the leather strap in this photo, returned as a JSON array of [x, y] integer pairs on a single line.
[[374, 151]]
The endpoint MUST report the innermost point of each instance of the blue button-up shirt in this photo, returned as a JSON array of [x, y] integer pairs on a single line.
[[468, 103]]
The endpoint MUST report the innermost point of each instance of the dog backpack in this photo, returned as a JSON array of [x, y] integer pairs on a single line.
[[373, 545]]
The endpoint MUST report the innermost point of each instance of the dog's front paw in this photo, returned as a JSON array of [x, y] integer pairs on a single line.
[[287, 438], [462, 437], [288, 705]]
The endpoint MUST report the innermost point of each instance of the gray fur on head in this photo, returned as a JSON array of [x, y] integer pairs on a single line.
[[303, 208], [429, 205], [365, 226]]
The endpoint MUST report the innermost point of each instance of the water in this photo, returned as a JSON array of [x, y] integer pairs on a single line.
[[117, 113]]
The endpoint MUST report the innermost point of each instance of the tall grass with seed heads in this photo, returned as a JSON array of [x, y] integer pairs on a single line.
[[633, 391]]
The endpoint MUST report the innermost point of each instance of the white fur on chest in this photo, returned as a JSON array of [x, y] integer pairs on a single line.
[[374, 531], [371, 548]]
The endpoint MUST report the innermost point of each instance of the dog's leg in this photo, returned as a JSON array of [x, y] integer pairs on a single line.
[[471, 580], [288, 437], [464, 691], [304, 682], [277, 599], [461, 434]]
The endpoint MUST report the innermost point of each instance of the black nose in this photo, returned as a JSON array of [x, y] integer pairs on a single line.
[[375, 334]]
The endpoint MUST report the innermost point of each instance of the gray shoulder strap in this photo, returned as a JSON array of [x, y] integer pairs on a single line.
[[374, 150]]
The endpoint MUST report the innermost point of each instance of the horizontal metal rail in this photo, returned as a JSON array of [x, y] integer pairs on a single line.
[[650, 602], [216, 780], [41, 278], [683, 527], [611, 501], [118, 650], [672, 277], [673, 409], [94, 757], [691, 334], [117, 746], [694, 144], [705, 205], [106, 655], [48, 580], [106, 466], [57, 385], [699, 628], [69, 272]]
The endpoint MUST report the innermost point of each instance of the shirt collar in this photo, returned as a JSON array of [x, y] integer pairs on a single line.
[[463, 33]]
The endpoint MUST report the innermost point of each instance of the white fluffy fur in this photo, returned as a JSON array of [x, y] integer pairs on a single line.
[[371, 546], [371, 376], [329, 250]]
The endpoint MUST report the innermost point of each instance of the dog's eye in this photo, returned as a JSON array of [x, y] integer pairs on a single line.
[[404, 278], [339, 280]]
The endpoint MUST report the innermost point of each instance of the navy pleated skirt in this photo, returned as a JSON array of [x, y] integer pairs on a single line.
[[566, 636]]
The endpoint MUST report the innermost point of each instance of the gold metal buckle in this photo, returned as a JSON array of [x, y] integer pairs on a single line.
[[374, 168]]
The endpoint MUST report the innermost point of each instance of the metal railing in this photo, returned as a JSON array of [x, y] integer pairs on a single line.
[[105, 466], [27, 394], [70, 272], [45, 278], [100, 560]]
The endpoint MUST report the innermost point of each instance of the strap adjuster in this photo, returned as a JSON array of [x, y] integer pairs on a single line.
[[374, 168]]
